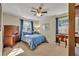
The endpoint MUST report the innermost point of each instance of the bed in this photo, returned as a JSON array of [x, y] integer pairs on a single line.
[[34, 40]]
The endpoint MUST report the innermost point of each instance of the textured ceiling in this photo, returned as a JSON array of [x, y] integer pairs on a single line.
[[23, 9]]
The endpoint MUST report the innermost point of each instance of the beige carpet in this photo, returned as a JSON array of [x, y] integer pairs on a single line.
[[45, 49], [16, 51]]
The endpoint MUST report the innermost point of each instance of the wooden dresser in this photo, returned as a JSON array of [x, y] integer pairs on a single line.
[[11, 35]]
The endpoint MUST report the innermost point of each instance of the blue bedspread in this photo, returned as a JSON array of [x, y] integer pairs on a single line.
[[33, 40]]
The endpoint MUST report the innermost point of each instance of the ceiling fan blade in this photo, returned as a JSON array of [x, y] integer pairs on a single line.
[[44, 11], [33, 11], [34, 14], [34, 8]]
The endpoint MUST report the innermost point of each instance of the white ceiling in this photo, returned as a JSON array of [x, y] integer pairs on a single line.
[[24, 9]]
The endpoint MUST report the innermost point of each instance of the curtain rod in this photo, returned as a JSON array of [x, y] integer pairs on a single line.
[[62, 16]]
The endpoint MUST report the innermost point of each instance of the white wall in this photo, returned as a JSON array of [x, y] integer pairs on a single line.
[[1, 31], [51, 32], [9, 19], [1, 46], [50, 20]]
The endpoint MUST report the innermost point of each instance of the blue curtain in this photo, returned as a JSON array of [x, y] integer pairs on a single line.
[[57, 25], [32, 26], [21, 27]]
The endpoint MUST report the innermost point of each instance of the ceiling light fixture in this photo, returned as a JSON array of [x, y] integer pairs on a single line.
[[39, 11], [39, 14]]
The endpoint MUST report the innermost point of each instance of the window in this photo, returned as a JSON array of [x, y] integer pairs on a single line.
[[63, 25], [27, 26], [77, 25]]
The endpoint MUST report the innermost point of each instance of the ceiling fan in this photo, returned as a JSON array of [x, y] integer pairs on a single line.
[[39, 11]]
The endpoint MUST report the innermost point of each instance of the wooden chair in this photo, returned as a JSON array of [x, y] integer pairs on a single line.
[[62, 38]]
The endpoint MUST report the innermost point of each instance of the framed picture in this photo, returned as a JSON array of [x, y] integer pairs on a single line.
[[46, 27]]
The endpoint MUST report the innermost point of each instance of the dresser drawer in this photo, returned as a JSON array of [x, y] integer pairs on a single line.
[[9, 41], [10, 35]]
